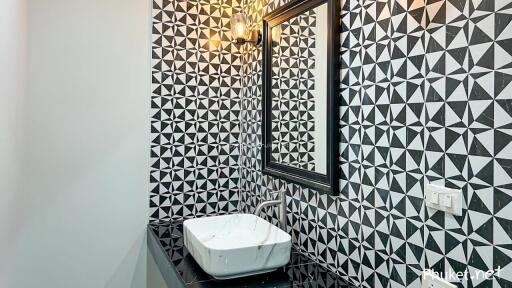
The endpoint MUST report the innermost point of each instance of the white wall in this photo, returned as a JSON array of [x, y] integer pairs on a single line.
[[83, 207], [12, 97]]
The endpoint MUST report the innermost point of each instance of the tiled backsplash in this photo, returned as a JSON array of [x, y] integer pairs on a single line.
[[426, 95], [195, 109]]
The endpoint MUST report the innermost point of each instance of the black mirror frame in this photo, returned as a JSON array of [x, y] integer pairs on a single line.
[[329, 182]]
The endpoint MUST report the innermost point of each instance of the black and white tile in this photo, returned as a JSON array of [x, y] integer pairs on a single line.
[[195, 100], [293, 88], [426, 96]]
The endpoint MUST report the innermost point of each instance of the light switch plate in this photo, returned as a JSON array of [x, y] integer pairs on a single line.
[[430, 280], [444, 199]]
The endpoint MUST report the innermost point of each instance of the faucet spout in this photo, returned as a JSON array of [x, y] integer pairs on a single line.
[[280, 203]]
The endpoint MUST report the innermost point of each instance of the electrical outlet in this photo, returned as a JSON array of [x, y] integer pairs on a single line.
[[431, 280]]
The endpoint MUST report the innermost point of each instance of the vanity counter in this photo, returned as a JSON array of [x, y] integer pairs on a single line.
[[179, 269]]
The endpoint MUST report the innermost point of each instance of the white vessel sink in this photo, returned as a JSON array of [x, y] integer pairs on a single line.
[[238, 245]]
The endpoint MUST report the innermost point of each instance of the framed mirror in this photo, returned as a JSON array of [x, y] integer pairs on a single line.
[[300, 92]]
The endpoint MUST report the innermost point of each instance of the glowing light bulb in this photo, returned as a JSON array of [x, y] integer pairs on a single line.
[[239, 29], [276, 33]]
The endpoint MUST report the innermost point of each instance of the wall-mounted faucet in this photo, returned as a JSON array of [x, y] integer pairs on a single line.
[[280, 203]]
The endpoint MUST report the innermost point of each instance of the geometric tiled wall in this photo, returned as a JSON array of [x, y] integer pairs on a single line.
[[426, 95], [468, 85], [195, 109], [293, 89]]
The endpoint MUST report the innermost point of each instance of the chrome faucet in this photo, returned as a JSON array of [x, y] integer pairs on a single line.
[[280, 203]]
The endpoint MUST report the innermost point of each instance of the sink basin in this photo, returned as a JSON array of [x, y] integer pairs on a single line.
[[237, 245]]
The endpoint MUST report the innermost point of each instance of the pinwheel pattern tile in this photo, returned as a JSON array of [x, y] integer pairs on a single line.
[[426, 96], [195, 109], [293, 93]]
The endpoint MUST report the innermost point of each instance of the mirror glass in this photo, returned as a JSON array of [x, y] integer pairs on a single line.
[[299, 91]]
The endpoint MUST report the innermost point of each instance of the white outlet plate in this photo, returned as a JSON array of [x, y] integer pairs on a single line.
[[444, 199], [431, 280]]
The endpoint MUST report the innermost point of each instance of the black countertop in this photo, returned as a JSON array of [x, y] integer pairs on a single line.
[[179, 269]]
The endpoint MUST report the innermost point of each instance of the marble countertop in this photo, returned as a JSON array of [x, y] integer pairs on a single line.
[[179, 269]]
